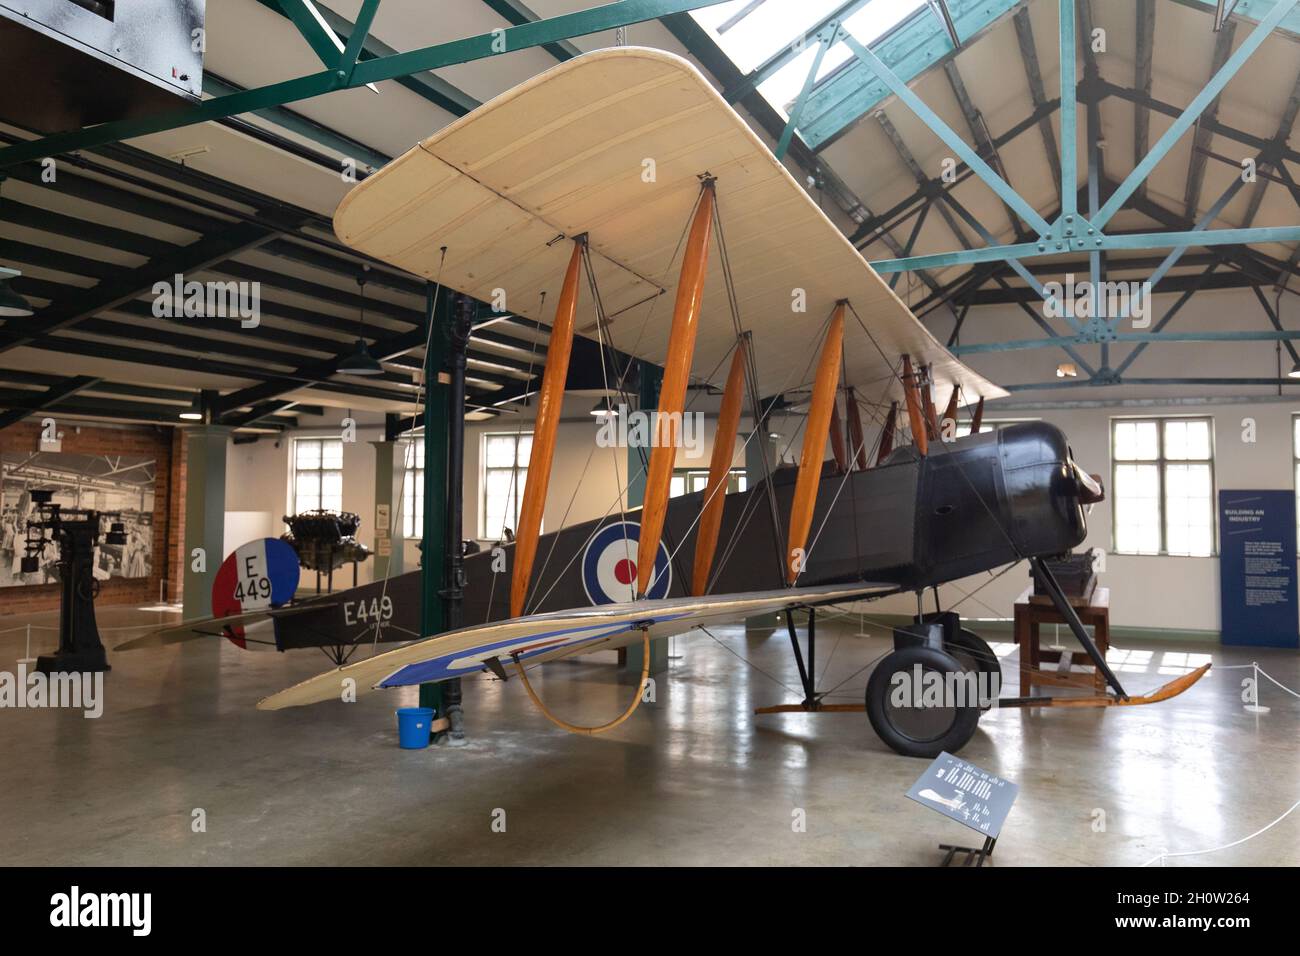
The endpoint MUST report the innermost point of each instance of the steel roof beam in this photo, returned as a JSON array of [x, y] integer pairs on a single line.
[[1142, 74], [516, 13], [20, 406], [1203, 137], [979, 131], [131, 283], [949, 137], [1199, 104], [375, 70], [1037, 91]]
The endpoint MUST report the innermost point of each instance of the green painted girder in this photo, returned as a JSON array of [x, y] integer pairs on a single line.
[[512, 11], [1252, 10], [1199, 104], [376, 70], [1058, 341], [360, 31], [428, 86], [908, 50], [1147, 240], [1069, 108], [825, 41], [307, 19], [304, 127], [946, 133], [790, 51]]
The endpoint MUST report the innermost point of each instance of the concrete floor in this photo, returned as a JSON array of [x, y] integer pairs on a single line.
[[694, 778]]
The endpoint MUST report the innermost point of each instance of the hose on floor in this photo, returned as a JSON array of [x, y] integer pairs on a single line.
[[592, 731]]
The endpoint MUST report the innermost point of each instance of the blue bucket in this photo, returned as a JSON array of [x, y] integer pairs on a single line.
[[413, 727]]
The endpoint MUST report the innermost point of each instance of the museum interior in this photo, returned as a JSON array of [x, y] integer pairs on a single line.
[[652, 432]]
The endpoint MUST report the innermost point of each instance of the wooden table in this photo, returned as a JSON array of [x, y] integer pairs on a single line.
[[1033, 610]]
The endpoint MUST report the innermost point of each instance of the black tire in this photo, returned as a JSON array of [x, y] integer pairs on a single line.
[[974, 654], [911, 730]]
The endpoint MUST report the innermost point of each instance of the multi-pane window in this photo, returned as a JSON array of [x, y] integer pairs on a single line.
[[505, 470], [687, 480], [413, 490], [317, 474], [1163, 486]]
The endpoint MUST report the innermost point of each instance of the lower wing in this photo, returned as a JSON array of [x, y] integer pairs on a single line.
[[180, 631], [539, 637]]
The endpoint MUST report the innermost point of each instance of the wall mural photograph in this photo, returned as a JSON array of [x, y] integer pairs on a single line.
[[106, 483]]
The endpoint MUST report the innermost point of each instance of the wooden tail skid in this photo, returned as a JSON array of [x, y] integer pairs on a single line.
[[1172, 689]]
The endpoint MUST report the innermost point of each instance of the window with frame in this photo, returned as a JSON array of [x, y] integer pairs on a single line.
[[505, 470], [317, 474], [686, 481], [413, 490], [1163, 486]]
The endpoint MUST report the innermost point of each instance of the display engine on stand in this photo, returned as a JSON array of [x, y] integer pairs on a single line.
[[76, 532]]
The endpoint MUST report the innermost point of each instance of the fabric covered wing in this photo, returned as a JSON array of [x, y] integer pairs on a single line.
[[540, 637], [611, 144]]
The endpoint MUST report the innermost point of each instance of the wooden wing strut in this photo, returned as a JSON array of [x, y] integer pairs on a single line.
[[856, 437], [724, 449], [887, 435], [920, 437], [977, 419], [672, 393], [837, 439], [950, 412], [549, 403], [814, 444]]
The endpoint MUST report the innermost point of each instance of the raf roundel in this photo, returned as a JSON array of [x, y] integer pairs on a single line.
[[609, 566], [260, 574]]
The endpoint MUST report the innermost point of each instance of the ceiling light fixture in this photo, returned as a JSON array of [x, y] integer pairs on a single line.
[[604, 408], [1295, 371], [361, 362], [1067, 370], [195, 412]]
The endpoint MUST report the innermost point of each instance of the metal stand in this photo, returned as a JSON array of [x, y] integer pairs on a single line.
[[974, 856], [807, 675], [1066, 610]]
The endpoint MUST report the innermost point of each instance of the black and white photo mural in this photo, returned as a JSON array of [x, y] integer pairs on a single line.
[[105, 483]]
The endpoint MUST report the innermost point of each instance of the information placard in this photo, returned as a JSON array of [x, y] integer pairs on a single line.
[[966, 793], [1257, 568]]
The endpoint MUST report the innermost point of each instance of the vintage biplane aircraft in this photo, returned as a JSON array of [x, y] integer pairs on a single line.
[[613, 182]]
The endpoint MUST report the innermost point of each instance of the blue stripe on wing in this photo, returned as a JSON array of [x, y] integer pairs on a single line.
[[439, 668]]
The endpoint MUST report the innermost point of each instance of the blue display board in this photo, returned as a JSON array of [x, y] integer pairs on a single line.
[[1257, 568]]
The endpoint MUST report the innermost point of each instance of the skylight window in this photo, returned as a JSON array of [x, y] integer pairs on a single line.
[[771, 26]]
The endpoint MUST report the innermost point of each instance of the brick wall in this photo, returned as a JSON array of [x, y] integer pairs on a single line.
[[166, 446]]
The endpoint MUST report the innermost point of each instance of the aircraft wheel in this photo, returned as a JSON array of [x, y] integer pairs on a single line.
[[974, 654], [905, 716]]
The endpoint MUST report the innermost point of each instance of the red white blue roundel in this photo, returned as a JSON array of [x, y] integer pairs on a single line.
[[609, 566], [261, 574]]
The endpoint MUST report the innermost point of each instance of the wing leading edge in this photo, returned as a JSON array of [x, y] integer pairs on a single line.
[[541, 637]]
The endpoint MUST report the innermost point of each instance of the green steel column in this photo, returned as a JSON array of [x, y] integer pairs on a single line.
[[651, 379], [433, 614]]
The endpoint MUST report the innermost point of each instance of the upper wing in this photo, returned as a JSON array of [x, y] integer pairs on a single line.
[[612, 144], [558, 633]]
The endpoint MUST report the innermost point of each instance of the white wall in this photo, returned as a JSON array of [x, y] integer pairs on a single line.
[[258, 477], [1146, 590]]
